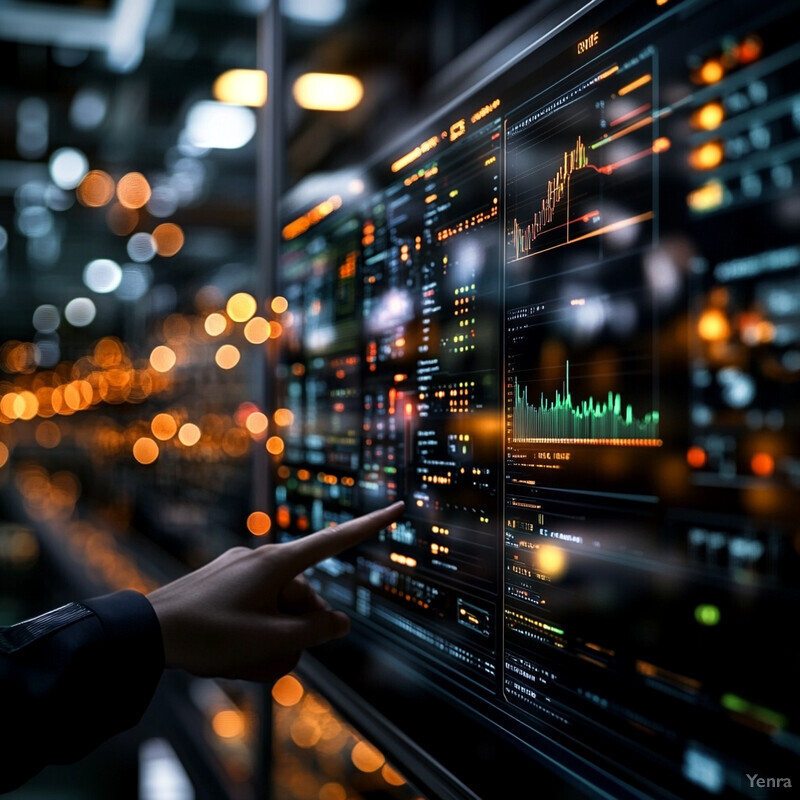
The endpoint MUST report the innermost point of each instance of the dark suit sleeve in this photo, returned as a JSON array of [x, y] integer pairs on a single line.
[[72, 678]]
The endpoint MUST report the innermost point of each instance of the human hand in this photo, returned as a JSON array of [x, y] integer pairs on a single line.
[[250, 613]]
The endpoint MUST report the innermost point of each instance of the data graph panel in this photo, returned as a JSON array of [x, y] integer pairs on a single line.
[[580, 165]]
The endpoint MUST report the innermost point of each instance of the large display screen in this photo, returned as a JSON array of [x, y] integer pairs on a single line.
[[560, 319]]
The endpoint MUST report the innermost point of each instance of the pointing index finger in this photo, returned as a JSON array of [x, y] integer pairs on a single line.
[[323, 544]]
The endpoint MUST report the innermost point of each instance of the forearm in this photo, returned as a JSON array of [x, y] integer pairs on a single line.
[[69, 681]]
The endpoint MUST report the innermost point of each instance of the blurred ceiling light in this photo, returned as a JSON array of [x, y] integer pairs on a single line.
[[80, 312], [141, 247], [46, 318], [221, 125], [117, 28], [134, 283], [322, 91], [314, 12], [88, 109], [244, 87], [102, 275], [67, 167]]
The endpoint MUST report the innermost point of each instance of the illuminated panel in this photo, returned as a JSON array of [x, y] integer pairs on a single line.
[[573, 329]]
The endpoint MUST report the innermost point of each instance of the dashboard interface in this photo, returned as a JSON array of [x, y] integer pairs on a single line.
[[561, 321]]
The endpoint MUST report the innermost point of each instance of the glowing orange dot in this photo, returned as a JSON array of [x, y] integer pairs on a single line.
[[749, 50], [392, 777], [275, 330], [133, 190], [215, 324], [332, 791], [228, 724], [762, 464], [279, 304], [3, 454], [189, 434], [168, 238], [275, 445], [257, 330], [162, 358], [96, 189], [696, 457], [707, 156], [367, 758], [164, 426], [661, 145], [283, 416], [708, 117], [121, 220], [713, 325], [256, 423], [712, 71], [145, 450], [48, 434], [259, 523], [287, 691], [241, 307], [227, 356]]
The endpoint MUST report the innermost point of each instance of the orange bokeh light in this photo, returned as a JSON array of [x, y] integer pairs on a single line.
[[696, 457], [145, 450], [287, 691], [133, 190], [762, 464], [707, 156], [275, 445], [259, 523], [96, 189], [168, 238]]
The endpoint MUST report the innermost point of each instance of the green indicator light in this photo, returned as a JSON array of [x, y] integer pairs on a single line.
[[734, 703], [767, 716], [707, 614]]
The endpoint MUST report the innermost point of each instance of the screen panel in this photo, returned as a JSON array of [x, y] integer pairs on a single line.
[[559, 319]]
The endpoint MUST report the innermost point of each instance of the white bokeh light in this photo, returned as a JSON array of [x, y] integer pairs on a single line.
[[102, 275], [141, 247], [80, 312], [68, 167], [46, 318]]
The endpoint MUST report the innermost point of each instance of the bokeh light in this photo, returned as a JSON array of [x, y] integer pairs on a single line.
[[241, 306], [287, 691], [227, 356], [162, 358], [68, 167], [164, 426], [257, 330], [259, 523], [215, 324], [367, 758], [80, 312], [279, 304], [133, 190], [228, 724], [102, 275], [275, 445], [96, 189], [168, 239], [189, 434], [145, 450]]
